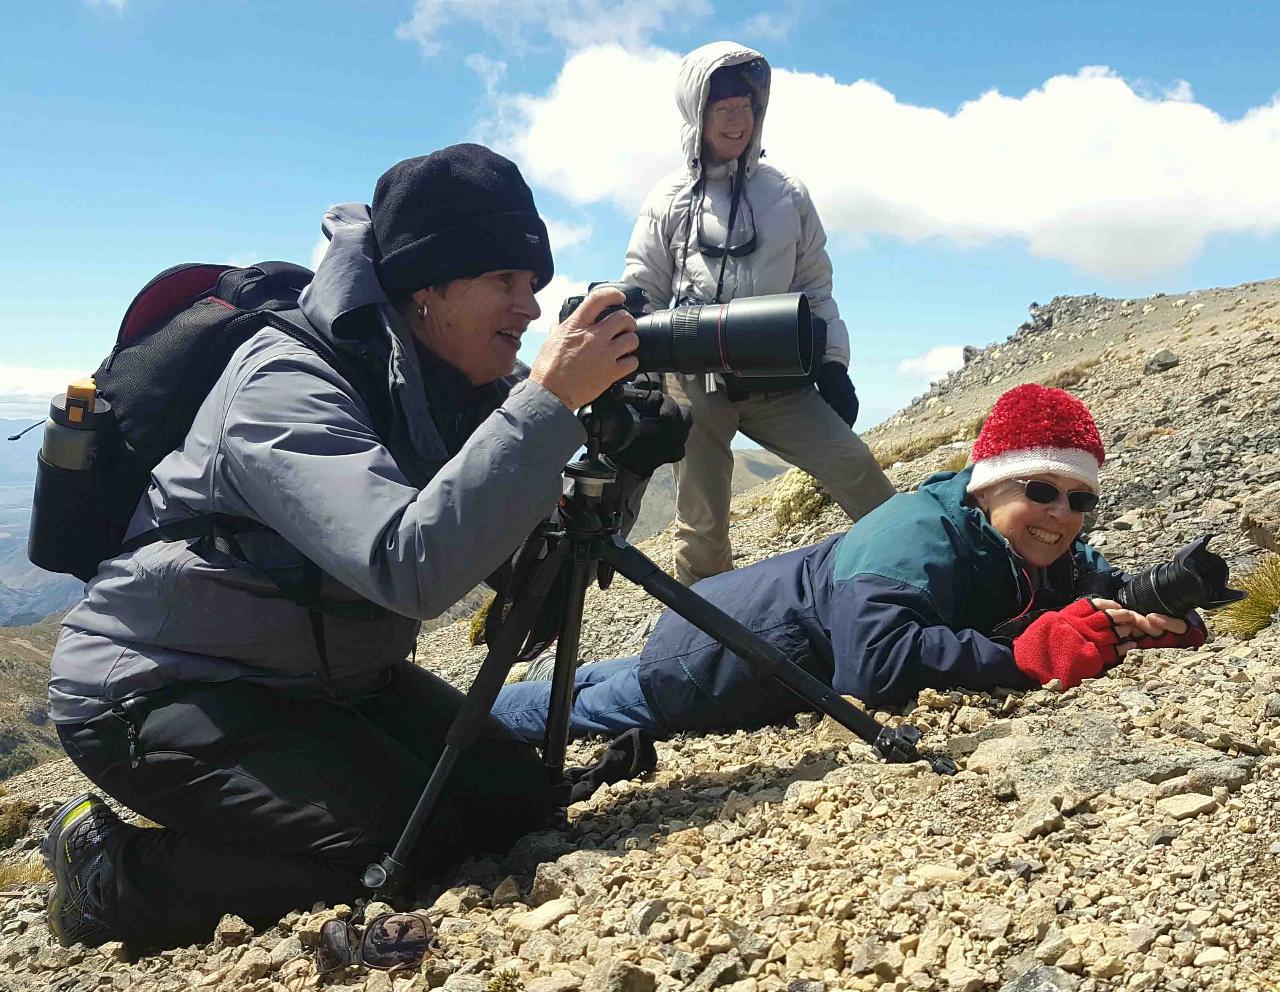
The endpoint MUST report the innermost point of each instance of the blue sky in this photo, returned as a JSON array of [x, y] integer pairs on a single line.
[[967, 158]]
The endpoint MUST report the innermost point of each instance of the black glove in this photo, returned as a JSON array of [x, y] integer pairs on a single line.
[[629, 756], [835, 386], [659, 436]]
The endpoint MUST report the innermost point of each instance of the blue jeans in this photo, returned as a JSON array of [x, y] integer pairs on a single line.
[[607, 700]]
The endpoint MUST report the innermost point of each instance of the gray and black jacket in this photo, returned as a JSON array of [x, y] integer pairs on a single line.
[[282, 439]]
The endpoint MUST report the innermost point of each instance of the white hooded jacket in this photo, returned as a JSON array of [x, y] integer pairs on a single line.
[[790, 254]]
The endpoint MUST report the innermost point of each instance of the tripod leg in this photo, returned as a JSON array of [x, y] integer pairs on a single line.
[[561, 703], [387, 875], [763, 657]]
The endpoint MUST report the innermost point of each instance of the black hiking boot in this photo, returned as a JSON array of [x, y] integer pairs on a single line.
[[74, 848]]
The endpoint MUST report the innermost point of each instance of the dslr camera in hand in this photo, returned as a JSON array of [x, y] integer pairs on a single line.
[[759, 336], [1195, 578]]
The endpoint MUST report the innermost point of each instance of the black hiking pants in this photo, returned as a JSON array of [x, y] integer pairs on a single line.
[[270, 803]]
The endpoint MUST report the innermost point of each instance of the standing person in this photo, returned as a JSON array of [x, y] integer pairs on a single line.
[[281, 745], [725, 225]]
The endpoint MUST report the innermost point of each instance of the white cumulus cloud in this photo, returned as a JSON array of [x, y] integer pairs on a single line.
[[1115, 179], [564, 234], [317, 251], [25, 392], [934, 364], [549, 299]]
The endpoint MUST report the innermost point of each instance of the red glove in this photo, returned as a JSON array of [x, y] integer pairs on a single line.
[[1070, 645], [1192, 637]]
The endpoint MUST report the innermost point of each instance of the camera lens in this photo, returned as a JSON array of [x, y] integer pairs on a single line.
[[762, 335], [1194, 578]]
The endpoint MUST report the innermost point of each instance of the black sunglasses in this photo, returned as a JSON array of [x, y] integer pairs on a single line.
[[391, 942], [735, 251], [1039, 491]]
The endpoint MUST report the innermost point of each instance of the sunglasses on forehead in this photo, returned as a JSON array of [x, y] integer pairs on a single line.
[[1039, 491]]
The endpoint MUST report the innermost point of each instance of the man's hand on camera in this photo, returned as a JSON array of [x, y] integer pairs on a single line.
[[659, 436], [582, 358], [835, 386]]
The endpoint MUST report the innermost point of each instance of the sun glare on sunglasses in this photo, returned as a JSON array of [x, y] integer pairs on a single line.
[[1039, 491], [390, 942]]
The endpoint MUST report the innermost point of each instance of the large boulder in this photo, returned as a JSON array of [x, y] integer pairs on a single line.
[[1086, 751]]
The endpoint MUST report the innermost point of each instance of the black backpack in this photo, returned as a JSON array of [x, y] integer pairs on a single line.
[[174, 342]]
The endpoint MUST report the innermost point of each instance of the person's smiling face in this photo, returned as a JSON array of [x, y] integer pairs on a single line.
[[476, 324], [1039, 532], [727, 127]]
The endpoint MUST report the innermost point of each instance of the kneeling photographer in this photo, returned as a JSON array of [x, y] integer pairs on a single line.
[[280, 743], [976, 580]]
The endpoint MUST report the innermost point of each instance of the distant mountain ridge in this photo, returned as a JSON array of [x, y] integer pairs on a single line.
[[751, 466], [27, 594]]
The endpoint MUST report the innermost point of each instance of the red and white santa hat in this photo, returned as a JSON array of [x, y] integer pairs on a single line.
[[1033, 430]]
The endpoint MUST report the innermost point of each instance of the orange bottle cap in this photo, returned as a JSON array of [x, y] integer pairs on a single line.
[[80, 398]]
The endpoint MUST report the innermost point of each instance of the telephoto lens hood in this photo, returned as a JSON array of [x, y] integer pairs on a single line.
[[756, 336], [1195, 578]]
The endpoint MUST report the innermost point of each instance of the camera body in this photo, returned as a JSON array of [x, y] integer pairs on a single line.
[[636, 302], [757, 336]]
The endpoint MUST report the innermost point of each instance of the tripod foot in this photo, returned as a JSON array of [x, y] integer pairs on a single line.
[[899, 746], [382, 877]]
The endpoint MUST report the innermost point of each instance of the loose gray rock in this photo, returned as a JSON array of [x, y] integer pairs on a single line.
[[1162, 361], [1042, 979]]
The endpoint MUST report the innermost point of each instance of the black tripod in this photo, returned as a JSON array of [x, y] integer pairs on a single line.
[[585, 544]]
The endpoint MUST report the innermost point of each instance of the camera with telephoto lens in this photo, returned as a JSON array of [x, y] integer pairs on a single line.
[[757, 336], [1194, 578]]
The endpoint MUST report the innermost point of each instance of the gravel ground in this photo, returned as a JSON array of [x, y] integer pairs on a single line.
[[1120, 835]]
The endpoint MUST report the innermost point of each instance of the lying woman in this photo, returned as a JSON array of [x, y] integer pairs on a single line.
[[976, 580]]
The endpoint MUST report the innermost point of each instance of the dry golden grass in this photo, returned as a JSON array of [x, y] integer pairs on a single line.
[[912, 448], [23, 873], [956, 462], [1072, 375], [15, 820], [1257, 610], [475, 628]]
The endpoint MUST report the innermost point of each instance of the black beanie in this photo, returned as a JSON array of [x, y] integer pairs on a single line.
[[454, 214]]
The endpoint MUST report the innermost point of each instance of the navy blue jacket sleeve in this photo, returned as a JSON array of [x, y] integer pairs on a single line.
[[889, 643]]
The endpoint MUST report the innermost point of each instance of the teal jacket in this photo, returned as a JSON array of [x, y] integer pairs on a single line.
[[925, 592]]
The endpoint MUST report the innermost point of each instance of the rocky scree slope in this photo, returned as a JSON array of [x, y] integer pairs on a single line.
[[1120, 835]]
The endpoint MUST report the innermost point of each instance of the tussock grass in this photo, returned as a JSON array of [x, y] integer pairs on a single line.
[[475, 629], [1072, 375], [1257, 610], [914, 447], [23, 873], [15, 819], [505, 980], [956, 462], [797, 500]]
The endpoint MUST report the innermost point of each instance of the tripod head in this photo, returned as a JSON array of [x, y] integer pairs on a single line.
[[611, 419]]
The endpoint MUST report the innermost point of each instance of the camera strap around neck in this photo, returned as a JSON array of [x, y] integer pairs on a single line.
[[733, 216]]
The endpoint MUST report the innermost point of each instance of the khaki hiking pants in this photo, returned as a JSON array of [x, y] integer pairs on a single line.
[[796, 425]]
